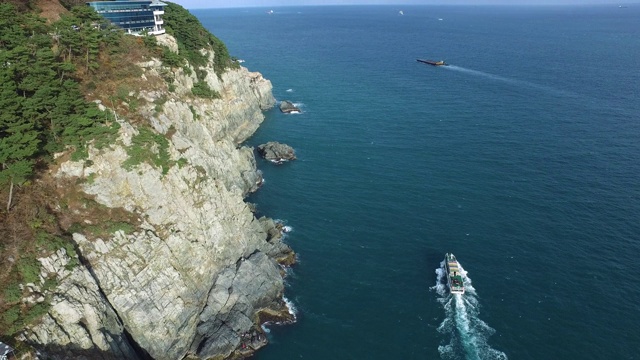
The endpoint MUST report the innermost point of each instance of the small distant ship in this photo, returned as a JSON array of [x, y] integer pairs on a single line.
[[456, 284], [434, 63], [270, 12], [401, 12]]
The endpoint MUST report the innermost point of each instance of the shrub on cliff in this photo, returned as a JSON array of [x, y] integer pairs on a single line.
[[201, 89], [193, 37]]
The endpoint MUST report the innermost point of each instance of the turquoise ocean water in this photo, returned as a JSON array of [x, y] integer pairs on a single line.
[[522, 158]]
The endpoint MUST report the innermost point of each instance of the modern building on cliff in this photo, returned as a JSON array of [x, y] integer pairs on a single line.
[[135, 17]]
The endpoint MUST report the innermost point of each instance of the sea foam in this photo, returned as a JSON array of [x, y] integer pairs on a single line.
[[467, 333]]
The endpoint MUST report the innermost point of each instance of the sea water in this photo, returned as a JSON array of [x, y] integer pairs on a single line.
[[522, 158]]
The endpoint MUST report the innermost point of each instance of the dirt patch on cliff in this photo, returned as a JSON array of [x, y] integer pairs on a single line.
[[50, 9]]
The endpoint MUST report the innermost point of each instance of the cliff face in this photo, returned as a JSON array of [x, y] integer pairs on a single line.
[[195, 275]]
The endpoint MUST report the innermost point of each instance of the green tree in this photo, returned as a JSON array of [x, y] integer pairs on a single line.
[[42, 108], [10, 29], [18, 137], [193, 37]]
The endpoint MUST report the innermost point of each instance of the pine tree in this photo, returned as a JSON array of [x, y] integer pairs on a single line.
[[18, 137]]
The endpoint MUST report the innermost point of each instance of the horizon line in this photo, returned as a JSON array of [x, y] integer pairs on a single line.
[[551, 4]]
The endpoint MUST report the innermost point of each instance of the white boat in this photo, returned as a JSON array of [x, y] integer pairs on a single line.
[[401, 12], [454, 278]]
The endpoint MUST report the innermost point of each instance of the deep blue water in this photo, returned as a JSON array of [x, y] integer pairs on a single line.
[[522, 158]]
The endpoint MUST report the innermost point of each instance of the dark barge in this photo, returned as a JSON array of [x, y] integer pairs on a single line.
[[434, 63]]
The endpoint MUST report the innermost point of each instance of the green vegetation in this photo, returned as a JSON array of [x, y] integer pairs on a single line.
[[29, 269], [192, 37], [52, 243], [43, 109], [50, 76], [45, 71], [104, 228], [171, 59], [159, 103], [41, 226], [202, 89], [196, 117], [16, 318], [182, 162], [151, 148]]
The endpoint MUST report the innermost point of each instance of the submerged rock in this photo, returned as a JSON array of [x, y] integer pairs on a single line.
[[277, 152], [288, 107]]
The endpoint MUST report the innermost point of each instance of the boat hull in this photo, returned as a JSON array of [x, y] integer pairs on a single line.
[[433, 63], [454, 277]]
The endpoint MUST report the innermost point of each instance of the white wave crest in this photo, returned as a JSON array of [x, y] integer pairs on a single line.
[[440, 288], [289, 90], [291, 307]]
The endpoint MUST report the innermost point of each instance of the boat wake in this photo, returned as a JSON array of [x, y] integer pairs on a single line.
[[467, 333], [511, 81]]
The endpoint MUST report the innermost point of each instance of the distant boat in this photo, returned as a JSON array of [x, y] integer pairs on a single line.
[[439, 19], [401, 12], [456, 283], [270, 12], [432, 62]]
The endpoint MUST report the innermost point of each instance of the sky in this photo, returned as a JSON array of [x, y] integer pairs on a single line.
[[200, 4]]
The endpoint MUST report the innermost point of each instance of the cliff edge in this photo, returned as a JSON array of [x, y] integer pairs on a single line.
[[197, 272]]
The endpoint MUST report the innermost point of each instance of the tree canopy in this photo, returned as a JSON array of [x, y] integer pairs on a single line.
[[192, 37], [43, 110]]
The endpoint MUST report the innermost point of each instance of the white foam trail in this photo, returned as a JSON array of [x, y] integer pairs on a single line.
[[479, 73], [511, 81], [467, 332]]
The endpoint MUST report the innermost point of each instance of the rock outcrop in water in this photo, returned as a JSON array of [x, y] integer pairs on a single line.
[[288, 107], [276, 152], [200, 271]]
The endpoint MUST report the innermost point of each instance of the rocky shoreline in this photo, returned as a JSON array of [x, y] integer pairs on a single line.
[[199, 274]]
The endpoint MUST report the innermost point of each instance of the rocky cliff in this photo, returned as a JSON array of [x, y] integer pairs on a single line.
[[199, 272]]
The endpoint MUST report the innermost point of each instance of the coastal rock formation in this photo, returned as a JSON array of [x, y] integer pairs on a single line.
[[276, 152], [81, 321], [199, 272], [288, 107]]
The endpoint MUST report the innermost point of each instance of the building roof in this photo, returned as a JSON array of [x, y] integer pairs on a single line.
[[138, 2]]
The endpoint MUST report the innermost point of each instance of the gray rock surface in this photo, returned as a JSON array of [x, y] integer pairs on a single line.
[[81, 322], [194, 277], [288, 107], [276, 152]]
